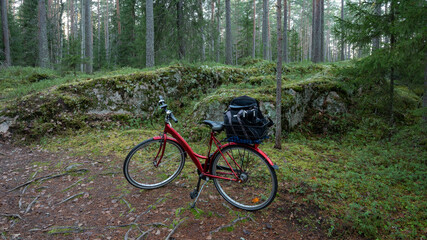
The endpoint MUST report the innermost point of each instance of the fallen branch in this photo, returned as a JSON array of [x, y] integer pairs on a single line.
[[31, 204], [47, 178], [72, 197], [174, 229]]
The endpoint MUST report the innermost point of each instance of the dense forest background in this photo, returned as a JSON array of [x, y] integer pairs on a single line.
[[87, 36]]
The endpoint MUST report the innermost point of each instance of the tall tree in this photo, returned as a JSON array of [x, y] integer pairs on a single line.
[[285, 31], [278, 137], [42, 37], [218, 19], [265, 43], [400, 62], [107, 31], [317, 32], [254, 31], [150, 34], [5, 28], [88, 36], [228, 37], [342, 33], [119, 23], [202, 30], [180, 27]]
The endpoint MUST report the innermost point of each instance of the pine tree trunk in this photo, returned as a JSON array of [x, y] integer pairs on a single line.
[[180, 25], [270, 52], [5, 27], [119, 23], [107, 32], [60, 37], [254, 31], [392, 73], [202, 31], [98, 54], [317, 32], [88, 36], [149, 34], [212, 52], [342, 35], [228, 37], [218, 18], [285, 31], [42, 36], [83, 40], [278, 144], [265, 50], [425, 90]]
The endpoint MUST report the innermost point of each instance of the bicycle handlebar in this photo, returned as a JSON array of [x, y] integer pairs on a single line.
[[169, 114]]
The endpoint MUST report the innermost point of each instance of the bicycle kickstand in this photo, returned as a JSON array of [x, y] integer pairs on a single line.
[[196, 193]]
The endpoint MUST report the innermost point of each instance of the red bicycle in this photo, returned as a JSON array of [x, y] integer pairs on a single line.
[[243, 174]]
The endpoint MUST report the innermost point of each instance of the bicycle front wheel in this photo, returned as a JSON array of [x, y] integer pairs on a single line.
[[143, 167], [257, 182]]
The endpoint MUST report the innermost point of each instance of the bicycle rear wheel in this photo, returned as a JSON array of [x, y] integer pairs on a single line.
[[258, 182], [143, 170]]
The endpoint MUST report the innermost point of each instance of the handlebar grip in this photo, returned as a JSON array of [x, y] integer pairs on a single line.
[[174, 118]]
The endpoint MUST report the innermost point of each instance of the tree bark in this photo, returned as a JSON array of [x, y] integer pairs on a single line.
[[42, 35], [265, 50], [150, 34], [88, 37], [83, 40], [425, 90], [278, 138], [317, 32], [107, 32], [179, 24], [5, 26], [254, 31], [218, 17], [342, 34], [119, 24], [202, 31], [228, 37], [285, 31], [392, 73], [98, 55]]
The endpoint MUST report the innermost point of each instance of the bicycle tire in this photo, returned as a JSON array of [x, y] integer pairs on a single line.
[[258, 187], [139, 167]]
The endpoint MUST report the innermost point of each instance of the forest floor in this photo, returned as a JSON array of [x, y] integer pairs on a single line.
[[48, 195]]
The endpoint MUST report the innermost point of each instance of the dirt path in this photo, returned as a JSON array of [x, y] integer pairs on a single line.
[[69, 197]]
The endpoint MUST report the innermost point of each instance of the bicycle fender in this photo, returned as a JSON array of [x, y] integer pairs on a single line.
[[274, 166]]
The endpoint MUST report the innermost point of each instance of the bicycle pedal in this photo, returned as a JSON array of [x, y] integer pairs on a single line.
[[194, 194]]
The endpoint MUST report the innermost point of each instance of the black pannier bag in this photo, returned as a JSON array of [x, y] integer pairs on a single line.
[[244, 122]]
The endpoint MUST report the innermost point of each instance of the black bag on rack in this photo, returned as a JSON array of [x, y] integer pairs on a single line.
[[244, 121]]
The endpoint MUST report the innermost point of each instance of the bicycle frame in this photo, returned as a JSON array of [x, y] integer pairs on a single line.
[[176, 137]]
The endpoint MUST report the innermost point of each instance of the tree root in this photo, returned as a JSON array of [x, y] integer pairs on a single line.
[[44, 178], [11, 215], [31, 204], [72, 197], [174, 229], [231, 224]]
